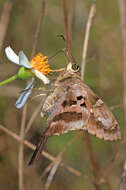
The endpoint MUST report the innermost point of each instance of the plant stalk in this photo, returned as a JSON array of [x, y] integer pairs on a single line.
[[9, 80]]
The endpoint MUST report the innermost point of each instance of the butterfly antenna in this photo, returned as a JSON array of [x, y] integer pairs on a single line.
[[56, 53], [66, 51]]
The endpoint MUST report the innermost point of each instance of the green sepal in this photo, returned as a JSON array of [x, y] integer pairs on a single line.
[[24, 73]]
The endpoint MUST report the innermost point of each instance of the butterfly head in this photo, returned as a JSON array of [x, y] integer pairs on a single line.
[[73, 67]]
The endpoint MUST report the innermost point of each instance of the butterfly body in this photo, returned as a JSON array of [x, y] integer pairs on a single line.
[[74, 106]]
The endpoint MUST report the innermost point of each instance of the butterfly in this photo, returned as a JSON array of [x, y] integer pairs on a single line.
[[72, 105]]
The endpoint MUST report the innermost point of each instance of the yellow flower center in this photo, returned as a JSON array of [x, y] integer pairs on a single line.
[[40, 63]]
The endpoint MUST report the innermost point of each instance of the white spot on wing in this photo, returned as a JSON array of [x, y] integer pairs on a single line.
[[91, 110], [98, 103], [105, 122]]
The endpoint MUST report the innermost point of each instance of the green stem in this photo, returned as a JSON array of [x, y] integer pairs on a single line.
[[9, 80]]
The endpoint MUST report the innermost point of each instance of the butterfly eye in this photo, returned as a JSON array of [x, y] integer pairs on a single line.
[[75, 67]]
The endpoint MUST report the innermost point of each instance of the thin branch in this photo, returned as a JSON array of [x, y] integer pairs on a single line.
[[40, 21], [93, 164], [5, 18], [117, 106], [122, 10], [122, 178], [70, 18], [47, 169], [21, 151], [67, 38], [86, 38], [52, 173]]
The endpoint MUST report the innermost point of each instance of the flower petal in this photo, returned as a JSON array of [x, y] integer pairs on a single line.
[[24, 95], [11, 55], [41, 77], [23, 60]]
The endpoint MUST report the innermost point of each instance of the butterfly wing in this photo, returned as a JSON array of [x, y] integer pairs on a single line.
[[78, 107], [67, 109], [102, 122]]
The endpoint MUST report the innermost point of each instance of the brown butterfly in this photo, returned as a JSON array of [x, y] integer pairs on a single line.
[[74, 106]]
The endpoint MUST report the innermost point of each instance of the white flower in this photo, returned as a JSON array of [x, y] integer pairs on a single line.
[[22, 60]]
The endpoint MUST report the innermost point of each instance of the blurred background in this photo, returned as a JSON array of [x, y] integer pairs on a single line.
[[104, 73]]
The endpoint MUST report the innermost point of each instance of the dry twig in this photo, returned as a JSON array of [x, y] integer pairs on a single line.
[[86, 38], [122, 178], [122, 10], [117, 106], [21, 151], [5, 18], [70, 18], [67, 38], [40, 21], [47, 169], [52, 173]]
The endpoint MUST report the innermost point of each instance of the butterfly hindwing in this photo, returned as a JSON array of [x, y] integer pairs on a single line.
[[102, 122]]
